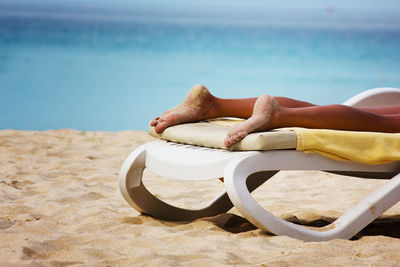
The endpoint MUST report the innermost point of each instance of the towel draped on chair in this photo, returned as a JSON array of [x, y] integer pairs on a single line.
[[363, 147]]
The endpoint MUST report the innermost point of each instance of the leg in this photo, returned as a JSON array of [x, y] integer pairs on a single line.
[[336, 117], [200, 104], [264, 108], [293, 103], [268, 115], [389, 110]]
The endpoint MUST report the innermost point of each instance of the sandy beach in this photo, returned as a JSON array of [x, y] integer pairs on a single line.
[[61, 206]]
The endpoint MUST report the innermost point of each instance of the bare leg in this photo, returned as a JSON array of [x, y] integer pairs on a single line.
[[200, 104], [293, 103], [335, 117], [387, 110], [263, 111]]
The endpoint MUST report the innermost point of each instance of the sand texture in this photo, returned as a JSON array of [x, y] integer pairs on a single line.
[[61, 206]]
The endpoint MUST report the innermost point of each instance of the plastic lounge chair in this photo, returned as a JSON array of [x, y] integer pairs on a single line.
[[245, 171]]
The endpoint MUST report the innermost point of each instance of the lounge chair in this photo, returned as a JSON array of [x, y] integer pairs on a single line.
[[244, 171]]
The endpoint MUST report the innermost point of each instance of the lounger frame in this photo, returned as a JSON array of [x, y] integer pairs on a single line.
[[245, 171]]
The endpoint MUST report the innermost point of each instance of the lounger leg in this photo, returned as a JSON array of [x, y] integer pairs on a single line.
[[368, 209], [137, 195], [349, 224]]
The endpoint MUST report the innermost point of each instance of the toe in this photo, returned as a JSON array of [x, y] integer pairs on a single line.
[[227, 142], [161, 126], [234, 138], [153, 122]]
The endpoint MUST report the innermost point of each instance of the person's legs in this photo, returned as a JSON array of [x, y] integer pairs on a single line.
[[263, 112], [200, 104], [268, 115], [386, 110], [293, 103], [336, 117]]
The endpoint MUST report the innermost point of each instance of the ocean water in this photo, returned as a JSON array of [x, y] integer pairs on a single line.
[[96, 73]]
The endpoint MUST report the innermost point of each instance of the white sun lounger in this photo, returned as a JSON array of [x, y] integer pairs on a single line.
[[245, 171]]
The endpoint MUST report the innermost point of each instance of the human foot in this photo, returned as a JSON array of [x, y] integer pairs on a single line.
[[198, 105], [260, 120]]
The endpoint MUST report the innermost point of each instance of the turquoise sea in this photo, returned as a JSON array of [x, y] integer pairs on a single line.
[[91, 71]]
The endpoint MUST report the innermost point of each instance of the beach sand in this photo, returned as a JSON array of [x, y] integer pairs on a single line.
[[61, 206]]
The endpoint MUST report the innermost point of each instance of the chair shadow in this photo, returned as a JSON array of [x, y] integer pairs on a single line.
[[384, 228], [231, 222], [388, 226]]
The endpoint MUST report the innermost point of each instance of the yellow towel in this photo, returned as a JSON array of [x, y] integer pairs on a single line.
[[364, 147]]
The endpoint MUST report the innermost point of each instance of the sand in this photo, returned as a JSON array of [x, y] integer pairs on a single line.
[[61, 206]]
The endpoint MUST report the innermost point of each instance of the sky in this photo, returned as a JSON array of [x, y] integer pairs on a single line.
[[368, 14], [319, 4]]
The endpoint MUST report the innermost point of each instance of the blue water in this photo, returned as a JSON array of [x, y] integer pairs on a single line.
[[107, 74]]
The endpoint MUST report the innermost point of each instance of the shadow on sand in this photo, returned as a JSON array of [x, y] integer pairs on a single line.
[[387, 226]]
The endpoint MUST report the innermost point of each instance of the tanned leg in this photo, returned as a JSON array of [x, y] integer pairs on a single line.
[[335, 117], [387, 110], [200, 104], [262, 113]]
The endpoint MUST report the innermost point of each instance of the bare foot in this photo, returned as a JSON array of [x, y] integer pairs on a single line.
[[264, 108], [198, 105]]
